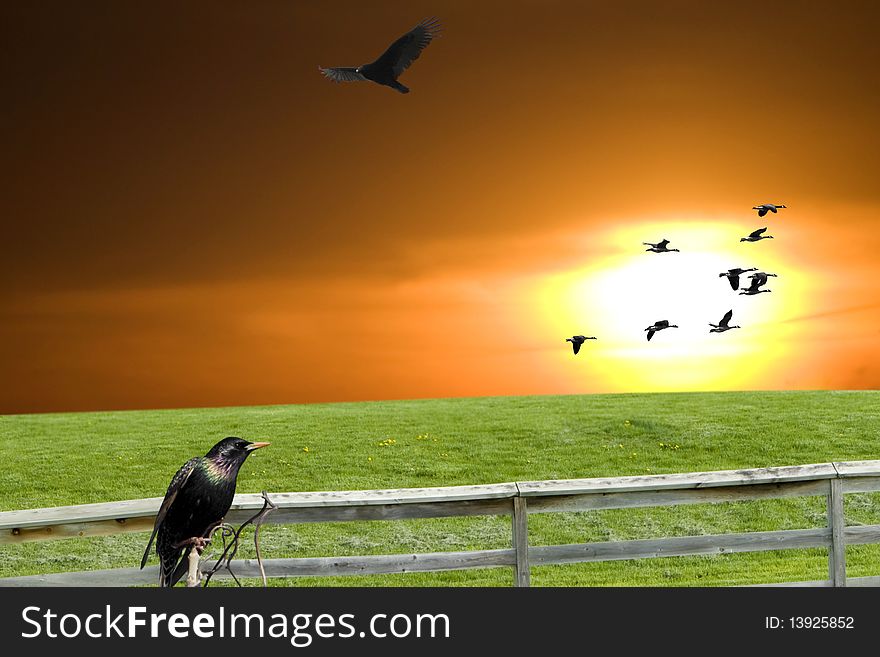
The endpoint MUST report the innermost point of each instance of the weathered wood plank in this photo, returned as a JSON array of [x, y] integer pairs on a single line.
[[281, 516], [836, 525], [714, 495], [252, 501], [865, 484], [857, 468], [677, 481], [139, 515], [299, 567], [861, 534], [378, 564], [119, 577], [76, 530], [370, 497], [520, 527], [486, 507], [679, 546], [79, 513]]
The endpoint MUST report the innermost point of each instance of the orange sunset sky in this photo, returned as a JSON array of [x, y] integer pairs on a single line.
[[194, 216]]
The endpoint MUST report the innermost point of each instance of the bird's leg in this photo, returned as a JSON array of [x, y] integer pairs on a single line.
[[193, 575], [198, 545], [197, 542]]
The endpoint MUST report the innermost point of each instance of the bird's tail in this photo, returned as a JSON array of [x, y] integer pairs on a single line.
[[399, 87], [181, 568], [172, 567]]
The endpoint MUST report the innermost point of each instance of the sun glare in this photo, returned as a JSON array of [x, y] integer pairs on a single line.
[[615, 296]]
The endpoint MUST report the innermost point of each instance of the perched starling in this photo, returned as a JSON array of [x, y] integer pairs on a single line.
[[197, 500]]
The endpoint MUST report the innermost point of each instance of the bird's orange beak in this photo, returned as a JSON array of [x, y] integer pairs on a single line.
[[254, 446]]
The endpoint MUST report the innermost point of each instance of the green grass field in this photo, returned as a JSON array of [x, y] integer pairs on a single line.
[[60, 459]]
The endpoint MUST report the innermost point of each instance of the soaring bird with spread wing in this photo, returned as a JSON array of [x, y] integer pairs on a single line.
[[394, 61]]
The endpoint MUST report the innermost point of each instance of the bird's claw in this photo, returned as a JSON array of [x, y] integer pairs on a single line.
[[199, 543]]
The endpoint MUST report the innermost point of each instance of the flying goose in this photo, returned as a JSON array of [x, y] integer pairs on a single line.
[[734, 274], [764, 208], [659, 326], [577, 341], [723, 325], [756, 235], [758, 280], [659, 247], [762, 275]]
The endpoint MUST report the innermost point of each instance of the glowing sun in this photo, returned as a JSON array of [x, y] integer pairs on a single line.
[[624, 289]]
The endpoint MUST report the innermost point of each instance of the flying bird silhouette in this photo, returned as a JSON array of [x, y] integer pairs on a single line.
[[198, 498], [767, 207], [758, 280], [724, 324], [577, 341], [659, 326], [763, 276], [659, 247], [756, 235], [734, 274], [391, 63]]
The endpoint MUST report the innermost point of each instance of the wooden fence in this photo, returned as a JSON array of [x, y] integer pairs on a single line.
[[517, 500]]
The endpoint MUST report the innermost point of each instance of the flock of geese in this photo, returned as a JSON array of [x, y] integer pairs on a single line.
[[757, 281]]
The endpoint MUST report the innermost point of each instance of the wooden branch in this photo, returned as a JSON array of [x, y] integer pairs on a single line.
[[230, 550], [258, 523]]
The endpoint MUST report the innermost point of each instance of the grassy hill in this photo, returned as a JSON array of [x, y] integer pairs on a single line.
[[57, 459]]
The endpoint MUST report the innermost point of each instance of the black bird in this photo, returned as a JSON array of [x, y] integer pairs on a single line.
[[724, 324], [758, 280], [577, 341], [734, 274], [197, 500], [391, 63], [659, 247], [659, 326], [764, 208], [756, 235]]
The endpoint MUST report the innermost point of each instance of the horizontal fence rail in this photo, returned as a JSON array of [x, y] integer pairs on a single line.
[[516, 500]]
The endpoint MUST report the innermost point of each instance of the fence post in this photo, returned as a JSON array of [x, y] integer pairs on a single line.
[[522, 573], [836, 523]]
